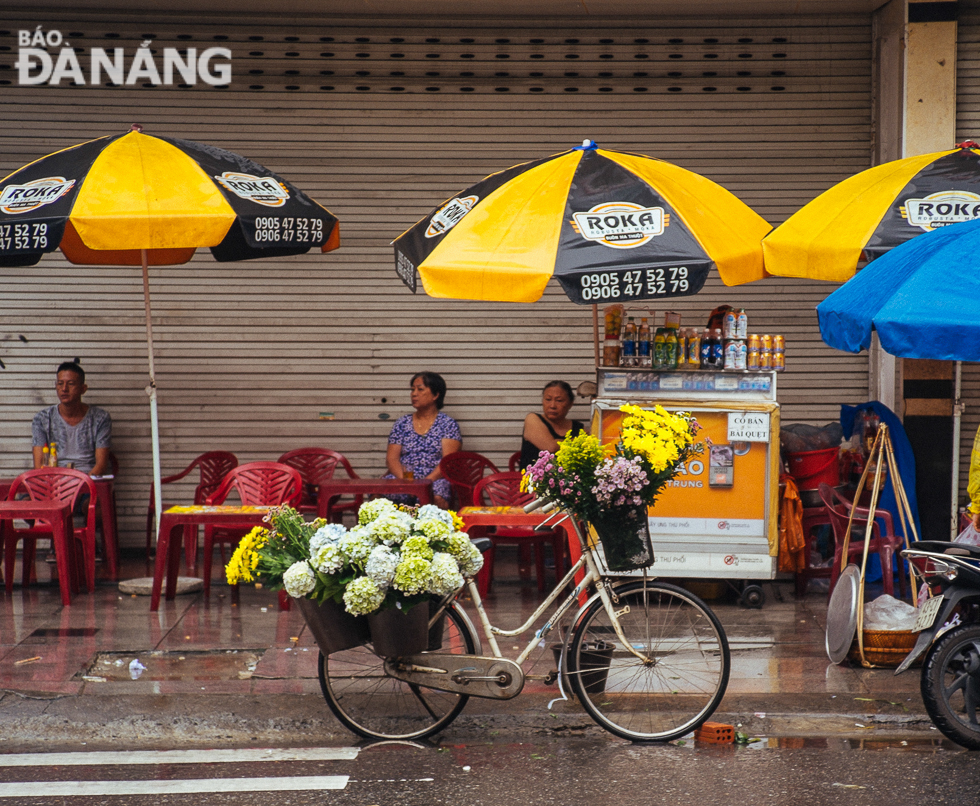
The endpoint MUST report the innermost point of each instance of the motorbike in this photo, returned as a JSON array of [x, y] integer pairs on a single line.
[[949, 637]]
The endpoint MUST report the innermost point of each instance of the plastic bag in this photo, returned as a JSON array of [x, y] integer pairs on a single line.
[[969, 535], [888, 613], [801, 437]]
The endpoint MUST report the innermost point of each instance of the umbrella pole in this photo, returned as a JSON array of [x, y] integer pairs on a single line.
[[954, 516], [595, 332], [151, 390]]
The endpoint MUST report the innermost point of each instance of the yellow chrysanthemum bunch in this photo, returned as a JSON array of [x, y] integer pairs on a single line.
[[245, 558], [580, 454], [660, 437]]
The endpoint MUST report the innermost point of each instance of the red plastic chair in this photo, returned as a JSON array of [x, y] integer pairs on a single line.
[[213, 467], [257, 484], [53, 484], [463, 470], [514, 463], [504, 490], [886, 545], [317, 465]]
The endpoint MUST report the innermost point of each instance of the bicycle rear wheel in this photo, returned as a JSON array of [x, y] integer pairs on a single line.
[[680, 685], [373, 705]]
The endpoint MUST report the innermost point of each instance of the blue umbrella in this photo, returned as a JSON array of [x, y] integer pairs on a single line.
[[921, 297]]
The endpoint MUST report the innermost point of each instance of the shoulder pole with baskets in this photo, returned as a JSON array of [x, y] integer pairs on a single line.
[[882, 459]]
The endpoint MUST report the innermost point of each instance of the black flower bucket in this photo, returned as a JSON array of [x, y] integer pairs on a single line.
[[332, 626], [625, 538], [396, 632]]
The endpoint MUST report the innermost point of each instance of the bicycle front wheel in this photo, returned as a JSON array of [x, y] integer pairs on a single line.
[[680, 683], [373, 705]]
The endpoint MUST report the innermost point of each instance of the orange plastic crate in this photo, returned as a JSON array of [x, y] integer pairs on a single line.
[[715, 733]]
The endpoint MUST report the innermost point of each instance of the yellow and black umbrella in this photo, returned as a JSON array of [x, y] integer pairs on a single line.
[[866, 215], [138, 200], [108, 200], [610, 226]]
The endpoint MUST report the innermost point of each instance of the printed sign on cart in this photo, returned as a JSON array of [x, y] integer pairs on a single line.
[[748, 426]]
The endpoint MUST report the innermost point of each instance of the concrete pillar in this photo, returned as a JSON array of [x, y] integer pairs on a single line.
[[889, 31], [927, 386]]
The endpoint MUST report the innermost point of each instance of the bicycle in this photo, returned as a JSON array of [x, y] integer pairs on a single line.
[[668, 660]]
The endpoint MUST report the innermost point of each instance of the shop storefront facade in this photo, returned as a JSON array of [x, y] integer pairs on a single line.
[[380, 119]]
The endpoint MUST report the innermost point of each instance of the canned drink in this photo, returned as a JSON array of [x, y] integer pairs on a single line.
[[778, 344], [752, 360], [766, 342], [779, 361], [755, 342], [765, 359]]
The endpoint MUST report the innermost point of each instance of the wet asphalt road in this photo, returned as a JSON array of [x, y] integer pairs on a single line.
[[604, 771]]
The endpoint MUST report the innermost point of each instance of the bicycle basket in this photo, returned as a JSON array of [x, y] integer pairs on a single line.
[[625, 538]]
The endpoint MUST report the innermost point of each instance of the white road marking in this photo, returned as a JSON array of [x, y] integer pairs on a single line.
[[73, 789], [244, 756]]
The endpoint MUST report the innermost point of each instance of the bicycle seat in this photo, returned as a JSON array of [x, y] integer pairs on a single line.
[[483, 544]]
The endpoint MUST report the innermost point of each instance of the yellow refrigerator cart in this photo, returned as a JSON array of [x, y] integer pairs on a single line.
[[718, 519]]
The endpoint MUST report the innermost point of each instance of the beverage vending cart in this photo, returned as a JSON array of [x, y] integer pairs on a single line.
[[718, 519]]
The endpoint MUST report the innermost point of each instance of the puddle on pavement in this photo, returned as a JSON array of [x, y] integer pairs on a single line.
[[916, 745], [225, 664]]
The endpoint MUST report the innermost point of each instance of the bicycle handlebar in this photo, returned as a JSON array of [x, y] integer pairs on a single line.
[[540, 503]]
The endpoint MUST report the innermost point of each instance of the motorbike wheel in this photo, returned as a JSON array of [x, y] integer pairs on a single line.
[[951, 685]]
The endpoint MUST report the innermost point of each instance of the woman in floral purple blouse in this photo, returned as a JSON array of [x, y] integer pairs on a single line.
[[418, 441]]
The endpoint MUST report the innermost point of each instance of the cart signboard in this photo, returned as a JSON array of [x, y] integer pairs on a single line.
[[718, 517]]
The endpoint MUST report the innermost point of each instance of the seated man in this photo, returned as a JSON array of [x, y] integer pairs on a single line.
[[81, 432]]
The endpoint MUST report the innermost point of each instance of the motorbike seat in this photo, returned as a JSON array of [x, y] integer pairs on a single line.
[[945, 547]]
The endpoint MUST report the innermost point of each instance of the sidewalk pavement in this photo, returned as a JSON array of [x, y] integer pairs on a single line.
[[218, 673]]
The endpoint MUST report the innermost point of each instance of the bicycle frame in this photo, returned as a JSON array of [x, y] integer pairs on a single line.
[[593, 575]]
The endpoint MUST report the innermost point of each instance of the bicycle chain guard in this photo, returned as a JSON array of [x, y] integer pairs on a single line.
[[475, 675]]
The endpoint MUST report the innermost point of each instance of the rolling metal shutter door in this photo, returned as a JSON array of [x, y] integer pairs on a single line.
[[380, 122], [968, 128]]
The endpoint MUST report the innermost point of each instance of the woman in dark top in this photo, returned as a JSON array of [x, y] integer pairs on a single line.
[[542, 433]]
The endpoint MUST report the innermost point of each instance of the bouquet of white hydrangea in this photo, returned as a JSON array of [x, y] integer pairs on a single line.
[[394, 557]]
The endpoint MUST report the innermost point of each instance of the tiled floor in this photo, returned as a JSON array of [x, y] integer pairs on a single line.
[[777, 650]]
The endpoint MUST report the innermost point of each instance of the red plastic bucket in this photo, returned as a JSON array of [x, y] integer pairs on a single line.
[[813, 468]]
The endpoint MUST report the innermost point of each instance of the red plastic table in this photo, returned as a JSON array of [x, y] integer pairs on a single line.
[[420, 488], [105, 492], [479, 520], [172, 523], [57, 515]]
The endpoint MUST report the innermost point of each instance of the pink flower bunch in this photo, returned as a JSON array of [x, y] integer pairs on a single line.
[[543, 465], [620, 481]]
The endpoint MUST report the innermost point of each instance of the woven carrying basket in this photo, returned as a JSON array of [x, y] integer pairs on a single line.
[[884, 647]]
